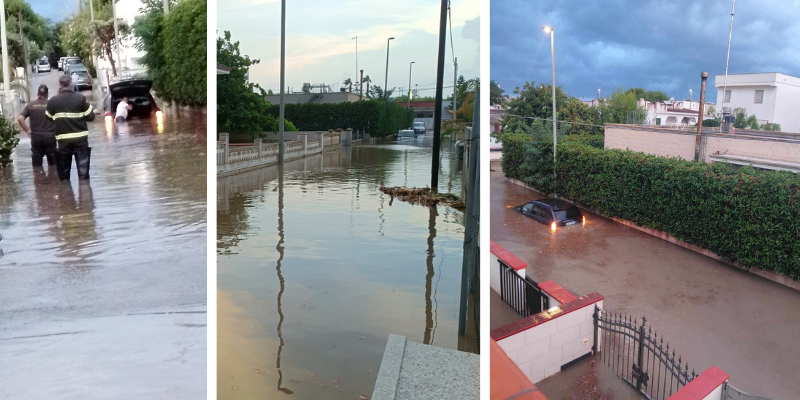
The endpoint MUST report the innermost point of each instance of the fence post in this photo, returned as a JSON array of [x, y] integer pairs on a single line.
[[595, 316], [321, 141], [225, 138], [257, 144], [639, 358]]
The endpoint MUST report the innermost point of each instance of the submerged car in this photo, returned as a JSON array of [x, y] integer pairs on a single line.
[[43, 66], [406, 134], [419, 128], [553, 212], [138, 93]]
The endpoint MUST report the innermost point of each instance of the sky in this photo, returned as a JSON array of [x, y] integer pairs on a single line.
[[54, 10], [657, 45], [320, 48]]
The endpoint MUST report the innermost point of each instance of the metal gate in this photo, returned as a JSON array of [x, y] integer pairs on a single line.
[[522, 294], [638, 355], [731, 393]]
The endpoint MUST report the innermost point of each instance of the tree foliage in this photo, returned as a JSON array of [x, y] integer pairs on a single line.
[[80, 34], [241, 106], [8, 141], [649, 95], [378, 118], [495, 93], [534, 101], [616, 108]]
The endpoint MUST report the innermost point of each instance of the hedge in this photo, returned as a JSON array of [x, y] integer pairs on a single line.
[[374, 117], [183, 37], [742, 214]]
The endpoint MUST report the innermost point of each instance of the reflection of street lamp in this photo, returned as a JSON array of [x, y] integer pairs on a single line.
[[386, 80], [550, 30], [408, 104]]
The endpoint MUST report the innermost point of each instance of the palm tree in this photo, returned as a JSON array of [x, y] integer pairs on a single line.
[[349, 83], [367, 80]]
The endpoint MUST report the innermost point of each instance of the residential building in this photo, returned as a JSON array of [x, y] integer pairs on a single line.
[[772, 97], [674, 112]]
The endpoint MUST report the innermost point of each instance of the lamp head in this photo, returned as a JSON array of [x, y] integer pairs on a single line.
[[547, 29]]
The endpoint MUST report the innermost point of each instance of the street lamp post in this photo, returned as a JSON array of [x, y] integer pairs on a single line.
[[386, 80], [283, 82], [356, 38], [116, 35], [6, 73], [550, 30], [408, 104]]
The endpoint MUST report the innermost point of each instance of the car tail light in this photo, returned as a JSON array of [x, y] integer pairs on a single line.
[[584, 220], [108, 118], [553, 226], [159, 114]]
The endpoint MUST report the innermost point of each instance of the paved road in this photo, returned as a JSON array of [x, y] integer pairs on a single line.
[[711, 313], [103, 282]]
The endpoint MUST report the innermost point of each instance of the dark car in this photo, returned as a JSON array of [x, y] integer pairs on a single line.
[[138, 93], [553, 212]]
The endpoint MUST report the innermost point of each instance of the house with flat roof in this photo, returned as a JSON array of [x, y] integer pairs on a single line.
[[772, 97]]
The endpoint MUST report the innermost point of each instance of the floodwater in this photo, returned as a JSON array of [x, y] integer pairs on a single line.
[[711, 313], [126, 248], [316, 267]]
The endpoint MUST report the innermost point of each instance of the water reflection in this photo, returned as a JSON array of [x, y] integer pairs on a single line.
[[351, 268]]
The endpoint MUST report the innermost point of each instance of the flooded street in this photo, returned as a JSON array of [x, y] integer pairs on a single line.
[[316, 267], [711, 313], [103, 281]]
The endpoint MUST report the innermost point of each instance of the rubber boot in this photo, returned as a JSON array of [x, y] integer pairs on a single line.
[[82, 158], [63, 165]]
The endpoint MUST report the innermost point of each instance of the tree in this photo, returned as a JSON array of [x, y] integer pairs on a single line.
[[349, 83], [367, 81], [532, 101], [618, 106], [8, 141], [241, 106], [581, 116], [649, 95], [495, 93], [377, 93]]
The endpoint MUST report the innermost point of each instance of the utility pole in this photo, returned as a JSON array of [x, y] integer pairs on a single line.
[[94, 53], [437, 112], [455, 87], [283, 80], [356, 38], [408, 103], [4, 48], [116, 36], [699, 138], [28, 71], [361, 85], [166, 7], [386, 79], [551, 31], [728, 58]]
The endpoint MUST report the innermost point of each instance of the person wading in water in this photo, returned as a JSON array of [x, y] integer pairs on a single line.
[[41, 131], [70, 111]]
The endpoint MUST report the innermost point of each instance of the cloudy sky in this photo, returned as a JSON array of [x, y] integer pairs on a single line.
[[320, 48], [658, 45], [54, 10]]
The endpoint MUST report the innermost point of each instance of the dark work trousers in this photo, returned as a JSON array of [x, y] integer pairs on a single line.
[[80, 148], [41, 146]]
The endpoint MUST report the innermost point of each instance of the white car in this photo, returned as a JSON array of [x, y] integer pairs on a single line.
[[43, 66]]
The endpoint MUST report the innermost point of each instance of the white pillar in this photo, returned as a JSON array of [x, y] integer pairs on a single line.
[[223, 137], [257, 144]]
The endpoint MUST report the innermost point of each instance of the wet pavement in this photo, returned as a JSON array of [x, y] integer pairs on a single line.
[[589, 379], [318, 267], [103, 282], [711, 313]]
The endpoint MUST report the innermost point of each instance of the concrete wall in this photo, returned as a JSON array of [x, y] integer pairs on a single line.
[[706, 386], [242, 158], [541, 351], [675, 143]]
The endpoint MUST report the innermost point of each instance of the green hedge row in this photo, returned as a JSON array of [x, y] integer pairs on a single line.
[[374, 117], [742, 214]]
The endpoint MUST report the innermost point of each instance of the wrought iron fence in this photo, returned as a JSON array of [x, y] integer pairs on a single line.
[[638, 355], [522, 294]]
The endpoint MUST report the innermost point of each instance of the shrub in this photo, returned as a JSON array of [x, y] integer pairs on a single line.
[[742, 214], [8, 141], [375, 117], [596, 141]]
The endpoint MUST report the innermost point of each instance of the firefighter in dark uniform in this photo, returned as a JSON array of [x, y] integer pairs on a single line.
[[41, 131], [70, 111]]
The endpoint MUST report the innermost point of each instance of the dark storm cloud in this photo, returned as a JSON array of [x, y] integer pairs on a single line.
[[657, 45]]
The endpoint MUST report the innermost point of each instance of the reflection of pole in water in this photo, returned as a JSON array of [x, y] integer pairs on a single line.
[[280, 248], [380, 214], [429, 276]]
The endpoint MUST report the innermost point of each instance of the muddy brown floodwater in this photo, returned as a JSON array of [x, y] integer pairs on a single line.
[[711, 313], [316, 267], [108, 273]]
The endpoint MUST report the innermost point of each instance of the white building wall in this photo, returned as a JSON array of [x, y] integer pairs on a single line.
[[787, 105], [781, 97]]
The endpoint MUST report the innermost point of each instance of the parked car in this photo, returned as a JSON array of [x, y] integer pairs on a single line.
[[419, 128], [81, 77], [69, 62], [553, 212], [406, 134], [42, 66], [138, 93]]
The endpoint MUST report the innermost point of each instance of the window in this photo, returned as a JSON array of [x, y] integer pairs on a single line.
[[658, 121], [527, 208], [759, 97], [540, 211], [727, 96]]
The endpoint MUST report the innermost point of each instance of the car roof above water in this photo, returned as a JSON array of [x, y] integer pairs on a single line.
[[557, 204]]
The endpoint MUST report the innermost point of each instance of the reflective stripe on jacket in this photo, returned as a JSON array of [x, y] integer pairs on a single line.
[[70, 111]]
